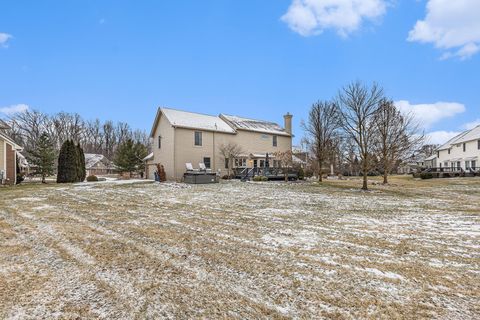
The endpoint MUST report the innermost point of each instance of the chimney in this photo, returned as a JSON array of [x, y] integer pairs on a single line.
[[288, 123]]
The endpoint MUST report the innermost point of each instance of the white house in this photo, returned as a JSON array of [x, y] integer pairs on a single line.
[[461, 152]]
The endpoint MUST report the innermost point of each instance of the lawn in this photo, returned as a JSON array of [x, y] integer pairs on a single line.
[[241, 250]]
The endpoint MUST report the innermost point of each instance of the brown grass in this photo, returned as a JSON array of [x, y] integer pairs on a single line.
[[406, 250]]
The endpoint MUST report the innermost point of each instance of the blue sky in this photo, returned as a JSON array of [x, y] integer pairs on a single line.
[[120, 60]]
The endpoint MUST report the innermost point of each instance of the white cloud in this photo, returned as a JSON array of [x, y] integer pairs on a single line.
[[429, 114], [4, 37], [311, 17], [471, 125], [451, 25], [11, 110], [440, 137]]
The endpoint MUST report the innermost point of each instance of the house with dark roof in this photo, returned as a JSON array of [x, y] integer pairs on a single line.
[[182, 137], [8, 156]]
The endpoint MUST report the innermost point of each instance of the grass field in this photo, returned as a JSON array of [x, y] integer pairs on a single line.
[[241, 250]]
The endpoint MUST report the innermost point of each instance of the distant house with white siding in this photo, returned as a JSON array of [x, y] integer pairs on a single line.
[[462, 152], [181, 137]]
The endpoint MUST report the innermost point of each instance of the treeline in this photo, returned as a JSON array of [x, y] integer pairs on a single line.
[[94, 136], [361, 129]]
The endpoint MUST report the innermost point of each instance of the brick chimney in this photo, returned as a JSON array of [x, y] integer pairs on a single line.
[[288, 123]]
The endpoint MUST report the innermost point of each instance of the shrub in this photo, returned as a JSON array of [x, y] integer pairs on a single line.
[[92, 178], [426, 175], [301, 174], [228, 177], [260, 178]]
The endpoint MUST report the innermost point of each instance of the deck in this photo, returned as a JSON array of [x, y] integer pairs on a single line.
[[272, 174]]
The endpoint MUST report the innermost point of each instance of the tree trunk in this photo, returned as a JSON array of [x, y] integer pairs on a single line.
[[320, 164], [365, 174], [385, 177], [43, 179]]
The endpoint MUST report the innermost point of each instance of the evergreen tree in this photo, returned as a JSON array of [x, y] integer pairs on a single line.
[[129, 156], [68, 163], [81, 170], [43, 157]]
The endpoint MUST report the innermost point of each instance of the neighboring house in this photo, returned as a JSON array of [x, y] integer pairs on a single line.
[[461, 152], [415, 163], [98, 164], [8, 156], [181, 137], [23, 163], [431, 162]]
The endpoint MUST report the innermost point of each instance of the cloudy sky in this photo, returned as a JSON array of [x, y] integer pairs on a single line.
[[119, 60]]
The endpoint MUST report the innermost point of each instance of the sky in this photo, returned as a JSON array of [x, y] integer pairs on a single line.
[[120, 60]]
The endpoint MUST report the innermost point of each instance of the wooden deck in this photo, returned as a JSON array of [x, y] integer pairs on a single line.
[[272, 174]]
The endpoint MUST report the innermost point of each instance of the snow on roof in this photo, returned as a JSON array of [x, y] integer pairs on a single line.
[[473, 134], [149, 157], [254, 125], [196, 120], [91, 159], [432, 157], [469, 135], [297, 159]]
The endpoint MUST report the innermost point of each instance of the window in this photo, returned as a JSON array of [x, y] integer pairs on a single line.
[[226, 163], [240, 163], [198, 138], [448, 151], [159, 142], [274, 141], [464, 147], [206, 161], [478, 146], [438, 154], [262, 163], [473, 164]]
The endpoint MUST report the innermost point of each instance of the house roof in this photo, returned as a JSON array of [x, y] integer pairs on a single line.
[[469, 135], [10, 141], [241, 123], [3, 125], [433, 156], [91, 159], [222, 123], [473, 134], [192, 120]]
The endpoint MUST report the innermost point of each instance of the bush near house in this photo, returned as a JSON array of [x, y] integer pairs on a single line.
[[426, 175], [260, 178], [92, 178]]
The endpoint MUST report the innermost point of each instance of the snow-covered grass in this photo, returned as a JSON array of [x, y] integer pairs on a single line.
[[241, 250]]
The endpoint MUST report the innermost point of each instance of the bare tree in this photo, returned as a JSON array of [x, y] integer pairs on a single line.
[[322, 130], [286, 161], [229, 152], [27, 127], [358, 104], [397, 135]]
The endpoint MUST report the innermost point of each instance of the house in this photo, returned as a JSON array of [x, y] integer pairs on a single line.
[[415, 163], [181, 137], [8, 156], [98, 164], [462, 152]]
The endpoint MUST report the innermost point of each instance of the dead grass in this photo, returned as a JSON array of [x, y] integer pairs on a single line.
[[242, 250]]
